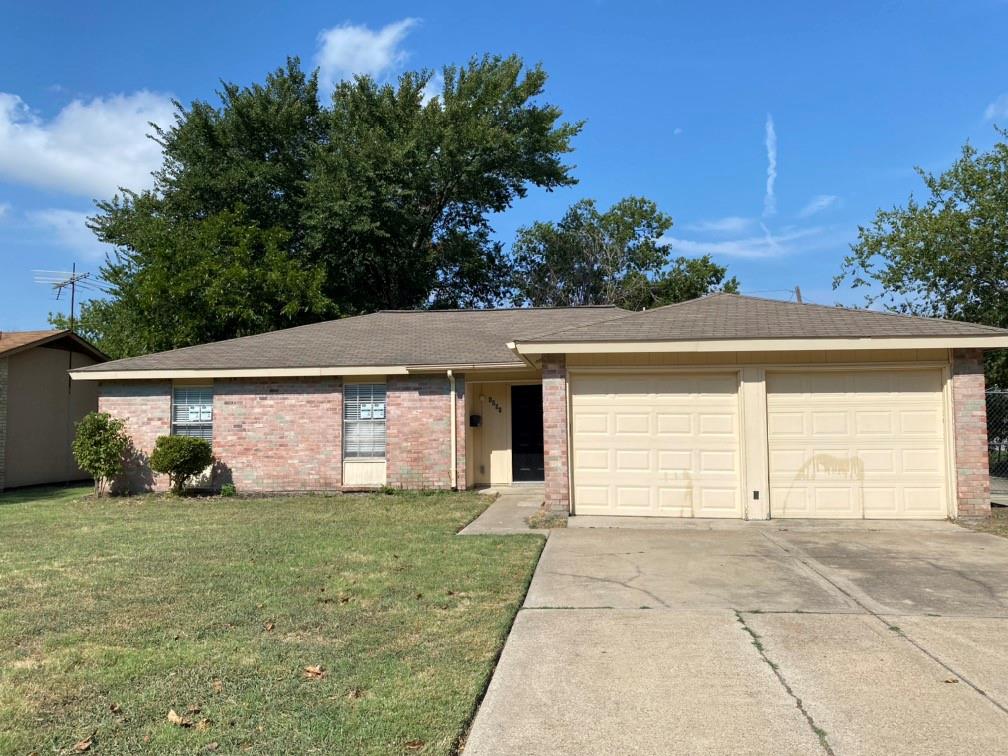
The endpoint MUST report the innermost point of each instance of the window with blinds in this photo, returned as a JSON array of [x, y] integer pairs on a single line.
[[364, 420], [192, 412]]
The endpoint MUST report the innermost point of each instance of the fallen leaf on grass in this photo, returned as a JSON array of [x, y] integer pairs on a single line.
[[950, 680], [115, 708], [218, 686], [177, 720], [192, 709], [203, 725], [355, 694], [414, 745], [315, 672], [268, 626], [84, 745], [212, 746]]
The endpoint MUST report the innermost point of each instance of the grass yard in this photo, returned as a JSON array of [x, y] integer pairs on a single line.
[[114, 612], [996, 524]]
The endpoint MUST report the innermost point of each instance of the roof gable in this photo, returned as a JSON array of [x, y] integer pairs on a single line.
[[734, 316], [12, 342]]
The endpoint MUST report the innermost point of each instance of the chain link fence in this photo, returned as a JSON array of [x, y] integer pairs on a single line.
[[997, 439]]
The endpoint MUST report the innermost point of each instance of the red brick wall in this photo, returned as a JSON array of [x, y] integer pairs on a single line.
[[145, 406], [279, 434], [554, 383], [418, 429], [969, 408]]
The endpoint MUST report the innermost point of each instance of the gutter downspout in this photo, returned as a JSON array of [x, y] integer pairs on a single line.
[[454, 441]]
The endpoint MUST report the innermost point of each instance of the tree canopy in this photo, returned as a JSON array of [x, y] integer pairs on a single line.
[[613, 257], [947, 255], [271, 210]]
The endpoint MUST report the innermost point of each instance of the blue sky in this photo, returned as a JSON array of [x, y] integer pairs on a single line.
[[680, 102]]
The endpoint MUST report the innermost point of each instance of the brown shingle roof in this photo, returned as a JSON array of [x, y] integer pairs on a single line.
[[17, 341], [397, 337], [732, 316]]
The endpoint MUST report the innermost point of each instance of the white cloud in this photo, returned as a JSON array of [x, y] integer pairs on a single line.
[[732, 224], [68, 229], [754, 247], [89, 148], [770, 200], [817, 204], [347, 49], [998, 108]]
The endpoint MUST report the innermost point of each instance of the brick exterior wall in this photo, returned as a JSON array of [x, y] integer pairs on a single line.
[[3, 421], [145, 406], [555, 452], [418, 431], [969, 409], [278, 435]]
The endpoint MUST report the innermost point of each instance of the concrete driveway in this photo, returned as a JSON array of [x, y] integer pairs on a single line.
[[757, 638]]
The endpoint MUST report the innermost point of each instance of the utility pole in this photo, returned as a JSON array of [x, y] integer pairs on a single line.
[[60, 280], [797, 294]]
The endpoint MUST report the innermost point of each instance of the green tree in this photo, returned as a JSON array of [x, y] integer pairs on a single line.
[[272, 210], [99, 447], [612, 257], [945, 256]]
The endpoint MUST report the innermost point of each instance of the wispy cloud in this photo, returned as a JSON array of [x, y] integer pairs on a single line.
[[348, 49], [817, 204], [768, 245], [90, 148], [677, 131], [770, 200], [998, 108], [732, 224], [4, 209], [67, 228]]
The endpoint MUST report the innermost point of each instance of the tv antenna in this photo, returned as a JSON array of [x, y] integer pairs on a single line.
[[62, 280]]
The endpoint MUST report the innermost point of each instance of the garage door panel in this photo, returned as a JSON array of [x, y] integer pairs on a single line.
[[877, 451], [672, 443], [591, 423]]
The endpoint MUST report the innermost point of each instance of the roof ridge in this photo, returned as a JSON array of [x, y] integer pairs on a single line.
[[506, 309]]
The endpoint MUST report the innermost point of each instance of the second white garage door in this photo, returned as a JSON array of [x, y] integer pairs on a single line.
[[656, 444], [857, 444]]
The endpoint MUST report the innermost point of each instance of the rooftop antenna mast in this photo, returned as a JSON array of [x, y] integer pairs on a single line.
[[61, 280]]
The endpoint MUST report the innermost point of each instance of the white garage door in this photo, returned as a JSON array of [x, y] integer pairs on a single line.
[[857, 444], [662, 445]]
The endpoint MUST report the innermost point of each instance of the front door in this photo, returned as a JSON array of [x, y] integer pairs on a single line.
[[526, 433]]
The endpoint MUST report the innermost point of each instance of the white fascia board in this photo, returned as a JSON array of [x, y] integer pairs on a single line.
[[763, 345]]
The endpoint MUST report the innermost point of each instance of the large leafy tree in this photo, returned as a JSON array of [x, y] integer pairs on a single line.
[[272, 209], [946, 255], [616, 256]]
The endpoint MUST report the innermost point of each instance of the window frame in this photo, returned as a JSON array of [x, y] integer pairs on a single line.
[[207, 424], [359, 421]]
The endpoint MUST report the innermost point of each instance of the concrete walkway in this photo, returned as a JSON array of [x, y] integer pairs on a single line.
[[508, 512], [848, 638]]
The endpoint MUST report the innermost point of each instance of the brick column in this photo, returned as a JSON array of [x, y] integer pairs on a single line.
[[3, 421], [969, 410], [554, 384]]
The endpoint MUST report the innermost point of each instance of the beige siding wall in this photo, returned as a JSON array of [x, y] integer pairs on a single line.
[[42, 409]]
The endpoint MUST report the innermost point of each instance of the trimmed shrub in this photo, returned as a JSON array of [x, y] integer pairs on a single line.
[[180, 458], [228, 489], [99, 447]]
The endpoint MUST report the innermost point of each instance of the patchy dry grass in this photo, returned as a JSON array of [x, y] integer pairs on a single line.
[[543, 519], [114, 612], [996, 524]]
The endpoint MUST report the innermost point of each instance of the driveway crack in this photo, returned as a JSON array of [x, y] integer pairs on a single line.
[[613, 581], [811, 564], [758, 644]]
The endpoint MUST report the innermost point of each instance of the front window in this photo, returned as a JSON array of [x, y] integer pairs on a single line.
[[192, 412], [364, 421]]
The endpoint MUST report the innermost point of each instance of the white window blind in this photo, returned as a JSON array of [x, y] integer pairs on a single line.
[[364, 420], [192, 412]]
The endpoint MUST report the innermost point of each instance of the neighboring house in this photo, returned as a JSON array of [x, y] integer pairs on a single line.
[[39, 405], [724, 406]]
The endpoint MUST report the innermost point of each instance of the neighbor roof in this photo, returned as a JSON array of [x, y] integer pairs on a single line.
[[390, 337], [733, 316], [12, 342]]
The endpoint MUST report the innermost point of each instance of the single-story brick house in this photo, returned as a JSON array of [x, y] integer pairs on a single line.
[[39, 405], [723, 406]]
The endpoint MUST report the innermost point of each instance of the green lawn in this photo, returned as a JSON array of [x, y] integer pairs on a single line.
[[113, 612]]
